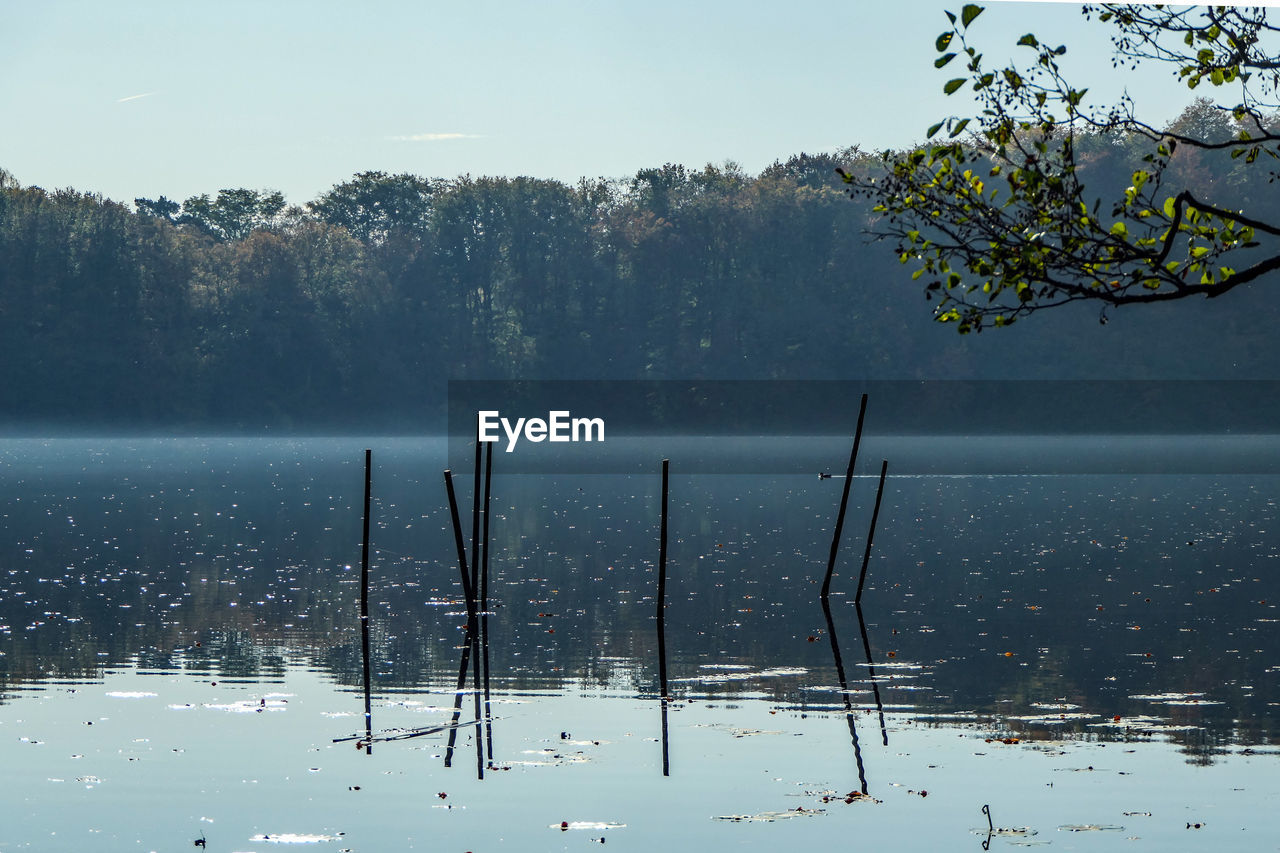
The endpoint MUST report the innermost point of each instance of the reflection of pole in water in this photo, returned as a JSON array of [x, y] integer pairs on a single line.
[[484, 598], [871, 672], [844, 693], [473, 618], [467, 592], [666, 753], [364, 600], [875, 513], [844, 499], [457, 696]]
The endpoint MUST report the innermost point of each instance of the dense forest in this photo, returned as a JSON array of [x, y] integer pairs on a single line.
[[238, 311]]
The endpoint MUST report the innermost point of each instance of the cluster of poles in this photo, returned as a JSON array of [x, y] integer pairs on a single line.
[[474, 572]]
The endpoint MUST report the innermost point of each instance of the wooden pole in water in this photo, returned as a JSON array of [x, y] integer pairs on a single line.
[[662, 585], [484, 597], [364, 599], [844, 499], [866, 556]]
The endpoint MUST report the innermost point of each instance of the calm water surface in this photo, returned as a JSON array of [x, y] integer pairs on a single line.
[[1093, 655]]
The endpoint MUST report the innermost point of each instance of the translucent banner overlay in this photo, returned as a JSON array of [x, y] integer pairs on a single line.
[[921, 427]]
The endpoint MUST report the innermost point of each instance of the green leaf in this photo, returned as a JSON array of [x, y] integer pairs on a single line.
[[1029, 40], [952, 18], [1169, 208], [968, 13], [943, 40], [1120, 230], [959, 128], [933, 130], [952, 85]]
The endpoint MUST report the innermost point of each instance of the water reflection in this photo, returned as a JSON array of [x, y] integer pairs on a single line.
[[233, 558]]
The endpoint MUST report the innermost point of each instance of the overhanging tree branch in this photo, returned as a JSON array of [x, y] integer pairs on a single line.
[[997, 216]]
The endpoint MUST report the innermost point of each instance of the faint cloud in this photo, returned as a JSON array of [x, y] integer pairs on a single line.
[[134, 97], [435, 137]]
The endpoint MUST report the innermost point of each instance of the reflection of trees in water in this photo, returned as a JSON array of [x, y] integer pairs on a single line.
[[965, 572]]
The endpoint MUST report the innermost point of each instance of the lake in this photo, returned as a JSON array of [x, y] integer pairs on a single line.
[[1092, 655]]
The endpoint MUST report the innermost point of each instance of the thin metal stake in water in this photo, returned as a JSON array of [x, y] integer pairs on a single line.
[[866, 556], [466, 587], [484, 598], [473, 607], [662, 586], [844, 499], [457, 537], [364, 600]]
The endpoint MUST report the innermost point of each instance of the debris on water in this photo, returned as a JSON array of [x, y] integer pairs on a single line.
[[770, 817], [1008, 831], [1091, 827], [294, 838], [773, 672], [566, 825]]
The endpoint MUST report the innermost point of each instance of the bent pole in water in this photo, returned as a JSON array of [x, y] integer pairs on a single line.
[[844, 499]]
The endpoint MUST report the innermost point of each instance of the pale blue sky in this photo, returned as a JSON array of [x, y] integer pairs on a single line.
[[140, 98]]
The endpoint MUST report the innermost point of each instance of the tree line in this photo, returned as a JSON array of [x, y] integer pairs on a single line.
[[239, 311]]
